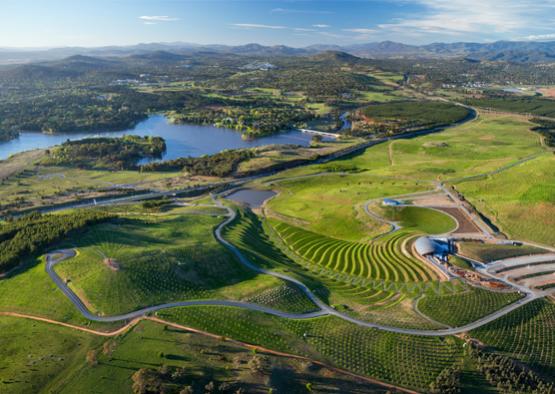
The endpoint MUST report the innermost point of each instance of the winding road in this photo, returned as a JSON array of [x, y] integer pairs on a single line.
[[56, 257]]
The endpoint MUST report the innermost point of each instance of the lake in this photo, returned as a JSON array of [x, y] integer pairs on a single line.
[[181, 140], [254, 198]]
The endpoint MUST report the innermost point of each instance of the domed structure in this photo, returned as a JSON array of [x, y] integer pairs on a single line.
[[425, 246]]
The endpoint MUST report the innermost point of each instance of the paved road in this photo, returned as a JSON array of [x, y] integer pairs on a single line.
[[51, 261], [55, 257]]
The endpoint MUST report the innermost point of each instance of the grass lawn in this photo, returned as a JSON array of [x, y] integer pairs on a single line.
[[419, 219], [327, 204], [39, 355], [520, 200]]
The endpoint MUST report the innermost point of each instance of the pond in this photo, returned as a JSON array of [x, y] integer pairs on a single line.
[[181, 140], [254, 198]]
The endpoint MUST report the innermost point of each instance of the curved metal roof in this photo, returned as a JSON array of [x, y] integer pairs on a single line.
[[425, 246]]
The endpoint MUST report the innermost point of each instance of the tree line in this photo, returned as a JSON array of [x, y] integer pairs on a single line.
[[402, 116], [31, 235], [220, 164]]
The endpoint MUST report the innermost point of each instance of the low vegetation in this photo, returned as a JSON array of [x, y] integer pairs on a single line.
[[382, 259], [491, 252], [525, 334]]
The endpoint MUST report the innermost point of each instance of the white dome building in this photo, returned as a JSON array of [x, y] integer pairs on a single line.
[[424, 246]]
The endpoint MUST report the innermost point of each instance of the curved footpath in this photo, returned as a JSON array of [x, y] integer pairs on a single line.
[[324, 310]]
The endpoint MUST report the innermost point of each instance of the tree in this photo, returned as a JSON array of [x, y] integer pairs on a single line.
[[92, 358]]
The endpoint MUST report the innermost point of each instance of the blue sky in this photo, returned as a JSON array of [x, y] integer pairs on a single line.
[[38, 23]]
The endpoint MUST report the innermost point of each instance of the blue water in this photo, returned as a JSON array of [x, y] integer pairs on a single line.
[[181, 140], [252, 197]]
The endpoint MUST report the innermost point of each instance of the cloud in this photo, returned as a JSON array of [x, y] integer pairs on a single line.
[[540, 37], [303, 29], [321, 26], [299, 11], [153, 19], [258, 26], [360, 30], [466, 17]]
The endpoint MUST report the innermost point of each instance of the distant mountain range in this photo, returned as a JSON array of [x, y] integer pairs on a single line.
[[509, 51]]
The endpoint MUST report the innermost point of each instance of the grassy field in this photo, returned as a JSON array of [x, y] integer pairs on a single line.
[[47, 358], [420, 219], [144, 260], [39, 354], [485, 144], [410, 361], [526, 209], [462, 308], [43, 185], [327, 204], [399, 167], [20, 292], [201, 361]]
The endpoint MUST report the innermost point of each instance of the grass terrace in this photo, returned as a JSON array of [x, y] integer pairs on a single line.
[[382, 259]]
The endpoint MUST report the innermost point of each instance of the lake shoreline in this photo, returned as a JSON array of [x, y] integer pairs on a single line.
[[183, 140]]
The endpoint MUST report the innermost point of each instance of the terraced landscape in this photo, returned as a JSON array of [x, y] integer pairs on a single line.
[[387, 261]]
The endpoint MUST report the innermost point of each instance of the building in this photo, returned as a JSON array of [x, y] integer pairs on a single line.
[[388, 202], [425, 246]]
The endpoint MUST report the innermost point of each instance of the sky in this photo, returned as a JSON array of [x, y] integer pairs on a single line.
[[298, 23]]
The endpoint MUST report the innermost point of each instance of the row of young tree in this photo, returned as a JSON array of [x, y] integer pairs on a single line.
[[31, 235], [219, 164]]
